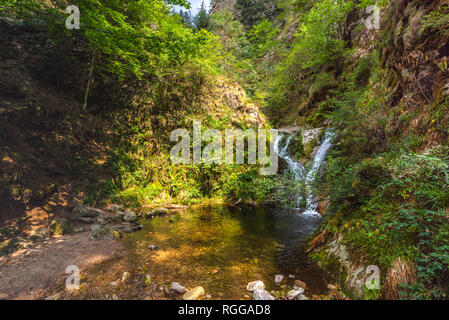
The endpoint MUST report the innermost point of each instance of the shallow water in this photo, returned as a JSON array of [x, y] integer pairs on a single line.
[[244, 244]]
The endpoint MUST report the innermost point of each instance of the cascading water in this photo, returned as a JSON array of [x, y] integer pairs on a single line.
[[302, 175]]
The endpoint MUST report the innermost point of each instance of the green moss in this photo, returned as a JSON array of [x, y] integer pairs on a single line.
[[330, 264]]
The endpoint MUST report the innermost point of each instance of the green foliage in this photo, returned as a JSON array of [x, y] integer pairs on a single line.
[[318, 48], [232, 37], [437, 20], [263, 37], [319, 39], [202, 19], [396, 206], [129, 37]]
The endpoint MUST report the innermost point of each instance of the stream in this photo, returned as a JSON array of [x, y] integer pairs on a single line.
[[242, 244]]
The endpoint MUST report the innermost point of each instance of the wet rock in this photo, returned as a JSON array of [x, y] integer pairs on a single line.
[[114, 208], [255, 285], [153, 247], [278, 278], [311, 136], [262, 295], [292, 294], [127, 227], [300, 284], [130, 217], [149, 215], [81, 211], [177, 288], [161, 212], [193, 294]]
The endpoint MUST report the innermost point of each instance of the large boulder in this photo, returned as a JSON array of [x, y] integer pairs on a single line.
[[130, 217], [101, 232]]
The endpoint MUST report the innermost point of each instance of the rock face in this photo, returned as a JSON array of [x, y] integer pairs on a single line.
[[337, 253], [193, 294], [223, 5], [310, 139], [262, 295], [255, 285]]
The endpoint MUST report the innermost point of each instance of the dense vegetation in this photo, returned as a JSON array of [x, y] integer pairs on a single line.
[[388, 175]]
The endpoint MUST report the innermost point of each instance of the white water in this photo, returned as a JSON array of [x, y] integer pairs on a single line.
[[303, 175]]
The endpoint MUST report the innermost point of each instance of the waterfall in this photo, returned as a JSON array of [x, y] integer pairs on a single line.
[[305, 176]]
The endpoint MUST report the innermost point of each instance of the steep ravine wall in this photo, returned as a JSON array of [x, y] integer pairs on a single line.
[[410, 62]]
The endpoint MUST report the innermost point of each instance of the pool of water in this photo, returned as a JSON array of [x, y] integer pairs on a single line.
[[243, 244]]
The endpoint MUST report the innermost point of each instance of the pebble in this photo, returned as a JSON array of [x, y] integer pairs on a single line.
[[278, 278], [294, 293], [153, 247], [177, 288]]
